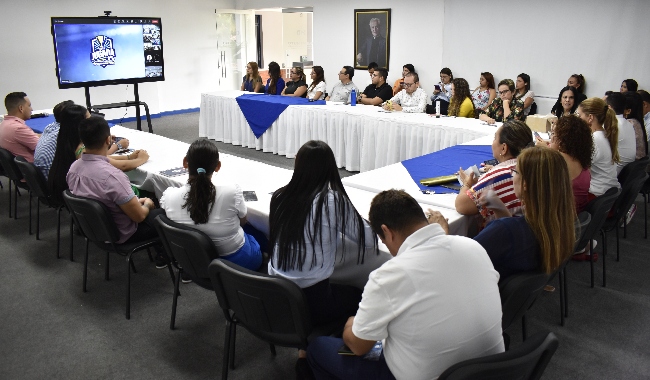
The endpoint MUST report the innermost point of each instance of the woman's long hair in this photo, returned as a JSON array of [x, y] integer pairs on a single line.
[[202, 160], [320, 77], [461, 92], [291, 221], [274, 74], [526, 78], [300, 72], [489, 78], [66, 144], [545, 181], [634, 103], [605, 117], [557, 109], [581, 82], [255, 73]]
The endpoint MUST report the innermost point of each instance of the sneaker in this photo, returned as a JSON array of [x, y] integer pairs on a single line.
[[585, 257], [185, 278], [161, 263], [629, 215]]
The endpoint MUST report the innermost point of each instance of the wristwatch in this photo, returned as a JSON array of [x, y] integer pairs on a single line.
[[119, 146]]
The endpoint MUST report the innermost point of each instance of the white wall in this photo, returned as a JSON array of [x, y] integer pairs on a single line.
[[27, 58]]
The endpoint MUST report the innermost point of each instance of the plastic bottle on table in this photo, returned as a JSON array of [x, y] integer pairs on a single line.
[[353, 98]]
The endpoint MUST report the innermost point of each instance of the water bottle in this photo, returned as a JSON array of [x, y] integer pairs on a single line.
[[353, 97], [437, 108]]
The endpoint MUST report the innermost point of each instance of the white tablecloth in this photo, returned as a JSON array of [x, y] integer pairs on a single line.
[[362, 137]]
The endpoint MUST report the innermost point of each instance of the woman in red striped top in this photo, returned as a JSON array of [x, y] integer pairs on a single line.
[[509, 140]]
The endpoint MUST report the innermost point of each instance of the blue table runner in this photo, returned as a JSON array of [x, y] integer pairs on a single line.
[[261, 111], [446, 162], [38, 125]]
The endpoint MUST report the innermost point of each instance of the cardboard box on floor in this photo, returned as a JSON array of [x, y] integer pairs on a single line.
[[540, 123]]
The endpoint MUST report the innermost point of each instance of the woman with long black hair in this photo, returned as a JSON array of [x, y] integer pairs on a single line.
[[309, 219], [218, 211]]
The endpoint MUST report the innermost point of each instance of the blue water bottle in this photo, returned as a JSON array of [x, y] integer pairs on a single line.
[[353, 98]]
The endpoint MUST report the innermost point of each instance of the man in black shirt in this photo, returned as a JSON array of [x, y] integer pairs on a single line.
[[379, 91]]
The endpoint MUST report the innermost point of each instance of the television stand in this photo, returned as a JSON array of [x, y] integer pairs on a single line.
[[136, 103]]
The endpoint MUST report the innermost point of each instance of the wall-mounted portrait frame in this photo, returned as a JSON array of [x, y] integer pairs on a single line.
[[371, 37]]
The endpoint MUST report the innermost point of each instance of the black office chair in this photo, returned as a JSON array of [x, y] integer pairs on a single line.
[[581, 228], [38, 187], [527, 361], [97, 225], [271, 308], [190, 251], [599, 208], [13, 173], [645, 190], [518, 292], [631, 178]]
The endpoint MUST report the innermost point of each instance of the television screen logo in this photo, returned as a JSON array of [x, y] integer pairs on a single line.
[[103, 53]]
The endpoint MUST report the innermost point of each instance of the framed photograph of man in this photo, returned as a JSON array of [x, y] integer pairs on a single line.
[[371, 37]]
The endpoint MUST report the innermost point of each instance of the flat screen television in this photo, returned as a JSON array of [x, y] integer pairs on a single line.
[[99, 51]]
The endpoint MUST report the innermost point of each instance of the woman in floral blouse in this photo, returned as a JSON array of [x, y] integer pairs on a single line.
[[485, 93]]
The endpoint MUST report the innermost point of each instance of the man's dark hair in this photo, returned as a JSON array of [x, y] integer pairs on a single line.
[[645, 95], [395, 209], [93, 132], [382, 72], [616, 100], [349, 70], [416, 77], [58, 109], [373, 65], [13, 100]]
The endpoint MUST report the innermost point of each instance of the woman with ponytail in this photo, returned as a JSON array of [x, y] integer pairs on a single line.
[[604, 130], [218, 211]]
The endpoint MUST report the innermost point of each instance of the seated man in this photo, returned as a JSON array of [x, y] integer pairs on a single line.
[[411, 99], [504, 107], [15, 135], [377, 92], [94, 177], [436, 303], [341, 91], [46, 147]]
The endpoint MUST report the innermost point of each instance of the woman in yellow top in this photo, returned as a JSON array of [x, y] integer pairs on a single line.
[[397, 87], [461, 104]]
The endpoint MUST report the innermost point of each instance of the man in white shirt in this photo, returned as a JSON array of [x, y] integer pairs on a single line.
[[411, 99], [626, 136], [434, 304], [341, 91]]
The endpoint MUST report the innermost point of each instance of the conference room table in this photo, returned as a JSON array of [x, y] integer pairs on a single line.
[[362, 137], [264, 179]]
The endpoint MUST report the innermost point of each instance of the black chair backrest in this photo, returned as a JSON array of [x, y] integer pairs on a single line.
[[192, 249], [631, 178], [526, 361], [9, 165], [518, 292], [599, 208], [92, 217], [581, 225], [272, 308], [34, 178], [533, 108]]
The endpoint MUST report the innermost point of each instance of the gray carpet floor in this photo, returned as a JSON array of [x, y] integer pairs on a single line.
[[50, 329]]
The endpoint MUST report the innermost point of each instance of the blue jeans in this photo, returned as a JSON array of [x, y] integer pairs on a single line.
[[248, 256], [326, 363]]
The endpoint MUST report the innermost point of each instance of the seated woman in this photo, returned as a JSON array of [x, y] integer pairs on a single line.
[[296, 86], [399, 83], [566, 102], [218, 211], [461, 102], [577, 81], [571, 136], [442, 90], [505, 107], [252, 82], [309, 219], [629, 85], [484, 94], [509, 140], [634, 114], [275, 83], [69, 148], [544, 237], [523, 92], [604, 131], [318, 87]]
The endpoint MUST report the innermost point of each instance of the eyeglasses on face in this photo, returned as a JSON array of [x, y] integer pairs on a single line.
[[504, 92], [408, 85], [514, 171]]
